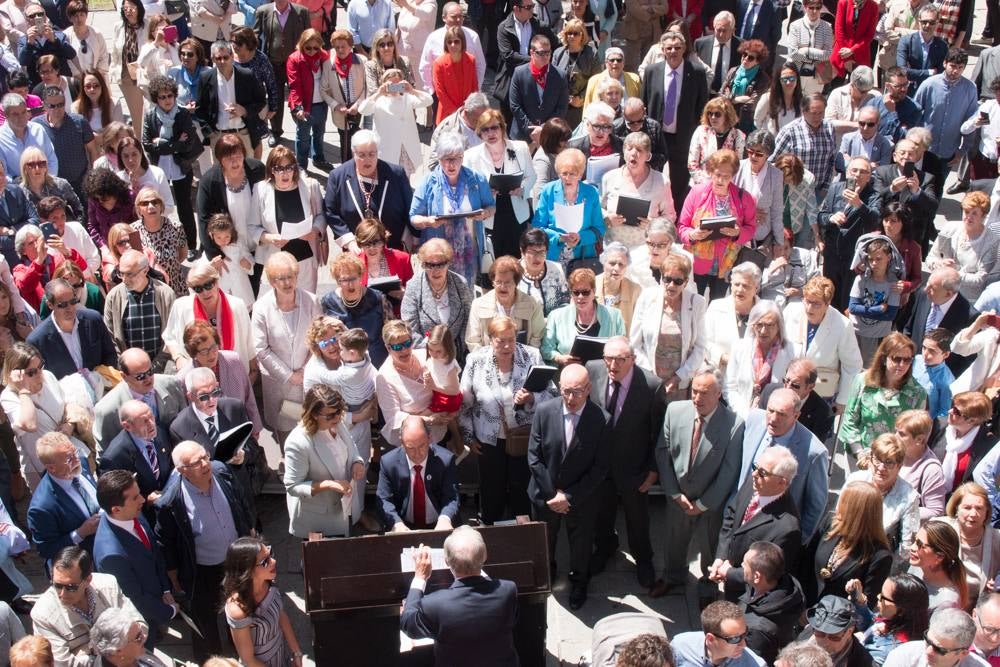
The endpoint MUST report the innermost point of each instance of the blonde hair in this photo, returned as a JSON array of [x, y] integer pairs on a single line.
[[858, 520], [441, 335]]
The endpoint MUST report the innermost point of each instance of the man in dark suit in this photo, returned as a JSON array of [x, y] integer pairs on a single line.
[[635, 119], [719, 50], [801, 377], [475, 616], [772, 600], [758, 19], [90, 343], [195, 563], [277, 41], [916, 191], [418, 482], [677, 104], [514, 52], [762, 510], [527, 111], [125, 548], [569, 456], [142, 448], [939, 305], [629, 395], [63, 509], [696, 487], [230, 99], [910, 51]]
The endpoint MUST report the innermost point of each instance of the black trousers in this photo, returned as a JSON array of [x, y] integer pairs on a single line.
[[677, 152], [206, 603], [489, 24], [636, 507], [580, 532], [937, 165], [185, 209], [503, 484], [280, 80], [717, 287]]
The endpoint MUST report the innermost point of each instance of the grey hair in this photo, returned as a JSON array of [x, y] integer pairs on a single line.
[[762, 308], [198, 375], [638, 140], [363, 138], [761, 138], [111, 629], [633, 104], [920, 135], [805, 654], [52, 285], [220, 45], [782, 392], [604, 85], [202, 269], [714, 371], [139, 257], [954, 624], [595, 110], [477, 100], [51, 91], [863, 78], [951, 279], [182, 448], [747, 270], [726, 15], [465, 551], [930, 7], [613, 51], [450, 143], [11, 100], [615, 246], [787, 465], [661, 225], [22, 236]]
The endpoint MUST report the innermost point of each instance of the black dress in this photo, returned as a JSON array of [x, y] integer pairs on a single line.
[[506, 231]]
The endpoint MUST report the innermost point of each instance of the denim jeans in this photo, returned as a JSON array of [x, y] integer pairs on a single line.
[[314, 124]]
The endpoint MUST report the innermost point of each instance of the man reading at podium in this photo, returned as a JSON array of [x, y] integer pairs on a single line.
[[418, 482], [475, 616]]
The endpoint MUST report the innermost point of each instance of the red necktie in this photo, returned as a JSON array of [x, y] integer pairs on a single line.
[[419, 496], [141, 533], [751, 509]]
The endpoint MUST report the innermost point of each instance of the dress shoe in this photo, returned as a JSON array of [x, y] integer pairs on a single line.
[[577, 596], [272, 141], [193, 254], [957, 188], [22, 606], [644, 573], [662, 588], [323, 165]]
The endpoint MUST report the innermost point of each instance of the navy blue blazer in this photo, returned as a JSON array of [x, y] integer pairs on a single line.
[[526, 107], [474, 616], [16, 212], [767, 28], [122, 454], [53, 515], [440, 480], [910, 56], [28, 54], [141, 572], [390, 201], [96, 345]]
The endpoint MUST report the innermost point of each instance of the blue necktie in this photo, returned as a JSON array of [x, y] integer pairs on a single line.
[[751, 18]]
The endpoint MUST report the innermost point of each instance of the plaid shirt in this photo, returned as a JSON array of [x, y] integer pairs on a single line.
[[816, 148], [141, 323]]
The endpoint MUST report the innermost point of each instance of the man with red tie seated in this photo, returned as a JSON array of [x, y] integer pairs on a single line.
[[126, 548], [418, 482]]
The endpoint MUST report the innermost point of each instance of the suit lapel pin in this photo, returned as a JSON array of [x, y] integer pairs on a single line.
[[427, 477]]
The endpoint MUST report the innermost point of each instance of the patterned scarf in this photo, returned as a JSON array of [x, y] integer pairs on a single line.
[[762, 364], [131, 49]]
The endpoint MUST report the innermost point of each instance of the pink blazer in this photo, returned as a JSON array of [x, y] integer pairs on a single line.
[[700, 203]]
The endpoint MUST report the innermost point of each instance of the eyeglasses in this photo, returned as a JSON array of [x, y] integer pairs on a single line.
[[165, 96], [69, 588], [207, 396], [323, 344], [56, 105], [734, 639], [573, 393], [266, 560], [59, 305], [788, 382], [676, 280], [434, 265], [205, 351], [196, 463], [866, 123], [901, 361], [882, 464], [582, 292], [886, 599], [656, 245], [399, 347], [987, 630], [204, 287], [143, 375], [329, 415], [765, 326], [617, 360], [41, 164], [602, 128], [937, 648], [928, 21], [32, 372], [538, 52], [287, 278], [348, 280], [283, 168]]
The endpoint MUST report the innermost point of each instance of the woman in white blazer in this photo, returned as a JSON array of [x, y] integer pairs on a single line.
[[758, 359], [280, 320], [767, 185], [282, 176], [323, 470], [210, 22], [827, 337], [726, 318], [685, 311], [982, 340], [395, 121], [500, 155]]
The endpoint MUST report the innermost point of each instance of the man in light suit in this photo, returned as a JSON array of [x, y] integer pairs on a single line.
[[719, 50], [801, 376], [916, 191], [143, 449], [528, 112], [162, 393], [687, 93], [125, 548], [778, 425], [696, 489], [910, 51], [514, 52], [865, 141], [416, 465], [63, 509], [475, 616], [277, 41], [940, 305], [631, 396], [569, 456]]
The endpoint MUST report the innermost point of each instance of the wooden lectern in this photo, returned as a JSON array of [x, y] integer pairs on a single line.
[[354, 589]]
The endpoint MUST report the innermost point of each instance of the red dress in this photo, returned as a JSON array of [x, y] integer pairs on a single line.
[[855, 36], [693, 7], [453, 82]]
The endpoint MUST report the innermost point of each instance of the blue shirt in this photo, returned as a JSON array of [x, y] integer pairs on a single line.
[[11, 148], [894, 124], [211, 522], [936, 380], [945, 107], [689, 651], [72, 137], [366, 19]]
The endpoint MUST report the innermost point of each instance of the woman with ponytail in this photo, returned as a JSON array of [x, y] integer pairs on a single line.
[[934, 557]]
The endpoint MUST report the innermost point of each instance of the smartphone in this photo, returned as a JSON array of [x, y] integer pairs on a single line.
[[852, 183], [49, 230], [910, 168], [170, 34], [984, 116], [40, 22], [993, 321], [399, 87]]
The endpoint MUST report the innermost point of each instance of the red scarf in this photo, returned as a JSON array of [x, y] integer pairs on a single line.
[[343, 66], [539, 74], [316, 60], [225, 320], [600, 151]]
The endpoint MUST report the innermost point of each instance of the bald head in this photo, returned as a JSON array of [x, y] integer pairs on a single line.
[[574, 385], [782, 411]]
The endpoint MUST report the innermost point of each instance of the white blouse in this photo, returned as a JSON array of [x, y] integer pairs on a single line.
[[399, 397]]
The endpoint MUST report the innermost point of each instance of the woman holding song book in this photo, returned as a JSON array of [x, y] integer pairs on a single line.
[[635, 180], [569, 211]]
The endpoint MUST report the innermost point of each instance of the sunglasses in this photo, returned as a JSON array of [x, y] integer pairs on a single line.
[[215, 393], [715, 114], [639, 122], [69, 588], [66, 304], [676, 280], [537, 52], [204, 287], [266, 560], [165, 96], [866, 123], [789, 79], [187, 54], [958, 413], [764, 474], [323, 344], [34, 16], [143, 375], [754, 153], [41, 164], [399, 347], [435, 265], [491, 128], [734, 639], [792, 384], [614, 60], [582, 292], [940, 650], [902, 361], [749, 57]]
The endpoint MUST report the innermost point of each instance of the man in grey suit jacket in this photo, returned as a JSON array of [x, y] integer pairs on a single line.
[[779, 425], [697, 490], [629, 395], [865, 141]]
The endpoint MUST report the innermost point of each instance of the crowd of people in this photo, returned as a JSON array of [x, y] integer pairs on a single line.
[[583, 253]]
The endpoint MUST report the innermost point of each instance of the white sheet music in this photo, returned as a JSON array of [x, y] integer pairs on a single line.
[[569, 217]]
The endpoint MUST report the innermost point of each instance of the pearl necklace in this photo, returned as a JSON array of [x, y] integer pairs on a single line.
[[352, 304], [536, 277]]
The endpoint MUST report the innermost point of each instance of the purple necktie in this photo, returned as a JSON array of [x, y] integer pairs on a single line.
[[670, 103]]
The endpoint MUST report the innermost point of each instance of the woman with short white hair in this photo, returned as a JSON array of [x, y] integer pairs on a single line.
[[598, 139], [637, 180], [726, 320], [614, 290], [758, 359], [119, 636]]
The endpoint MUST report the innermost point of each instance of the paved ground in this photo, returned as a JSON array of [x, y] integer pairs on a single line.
[[569, 633]]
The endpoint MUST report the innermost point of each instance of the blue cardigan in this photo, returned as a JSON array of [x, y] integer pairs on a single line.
[[593, 220], [560, 328], [428, 199]]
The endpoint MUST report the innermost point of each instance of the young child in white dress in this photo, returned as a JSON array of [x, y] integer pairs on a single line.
[[236, 280], [441, 377]]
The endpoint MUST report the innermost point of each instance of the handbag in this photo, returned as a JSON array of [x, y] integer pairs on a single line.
[[291, 409], [748, 254], [489, 255], [517, 437], [175, 7]]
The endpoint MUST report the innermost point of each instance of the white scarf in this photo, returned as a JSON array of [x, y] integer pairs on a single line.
[[955, 445]]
